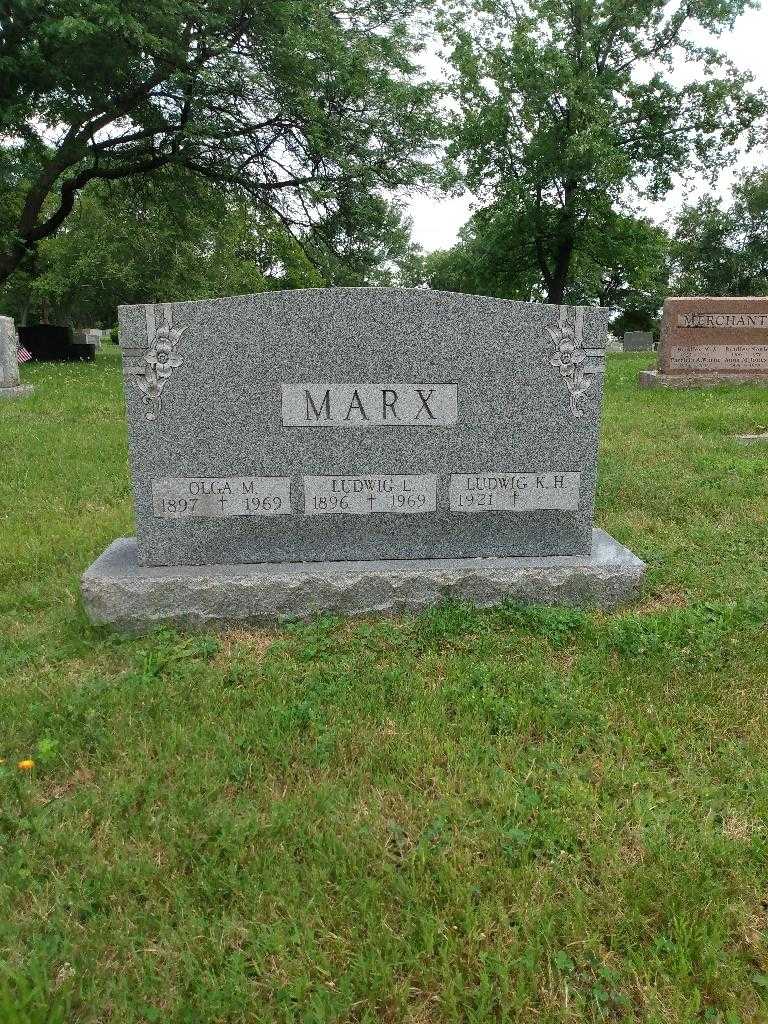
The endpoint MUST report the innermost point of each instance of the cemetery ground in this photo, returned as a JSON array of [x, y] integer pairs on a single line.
[[522, 814]]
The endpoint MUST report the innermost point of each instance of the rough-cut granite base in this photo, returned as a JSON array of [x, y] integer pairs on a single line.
[[20, 391], [654, 379], [119, 592]]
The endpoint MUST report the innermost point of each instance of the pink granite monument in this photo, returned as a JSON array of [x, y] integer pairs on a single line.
[[706, 341]]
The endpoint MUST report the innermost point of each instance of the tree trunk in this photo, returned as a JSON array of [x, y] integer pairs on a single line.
[[555, 293], [559, 273], [558, 279]]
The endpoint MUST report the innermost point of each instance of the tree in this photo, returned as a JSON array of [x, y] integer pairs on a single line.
[[567, 108], [175, 235], [303, 105], [492, 257], [724, 251], [367, 242], [624, 266], [626, 269], [172, 235]]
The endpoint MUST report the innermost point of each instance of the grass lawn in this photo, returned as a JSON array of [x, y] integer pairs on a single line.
[[521, 815]]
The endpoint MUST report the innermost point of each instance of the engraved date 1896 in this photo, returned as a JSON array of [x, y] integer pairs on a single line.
[[364, 495]]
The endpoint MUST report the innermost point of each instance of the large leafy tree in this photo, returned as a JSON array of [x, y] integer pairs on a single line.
[[176, 234], [304, 105], [169, 235], [624, 267], [723, 250], [568, 110]]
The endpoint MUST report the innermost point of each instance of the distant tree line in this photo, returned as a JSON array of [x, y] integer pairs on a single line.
[[171, 150]]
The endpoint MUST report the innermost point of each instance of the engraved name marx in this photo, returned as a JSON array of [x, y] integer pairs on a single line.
[[356, 405]]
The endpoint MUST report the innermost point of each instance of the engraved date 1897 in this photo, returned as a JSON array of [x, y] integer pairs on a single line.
[[206, 497]]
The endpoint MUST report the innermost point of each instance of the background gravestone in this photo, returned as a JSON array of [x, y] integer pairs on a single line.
[[708, 341], [365, 426], [10, 382], [55, 343], [638, 341], [88, 337]]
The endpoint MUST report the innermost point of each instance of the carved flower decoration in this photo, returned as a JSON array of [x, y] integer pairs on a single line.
[[160, 362], [162, 357], [568, 357]]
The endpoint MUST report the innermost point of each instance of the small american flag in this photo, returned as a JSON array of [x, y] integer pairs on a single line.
[[22, 355]]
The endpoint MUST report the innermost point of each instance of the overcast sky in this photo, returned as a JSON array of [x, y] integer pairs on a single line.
[[436, 221]]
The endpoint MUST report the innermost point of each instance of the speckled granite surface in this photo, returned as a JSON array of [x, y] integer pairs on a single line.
[[117, 591], [204, 392]]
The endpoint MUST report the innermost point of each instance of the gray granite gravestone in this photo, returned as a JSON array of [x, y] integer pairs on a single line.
[[321, 446], [10, 382], [638, 341]]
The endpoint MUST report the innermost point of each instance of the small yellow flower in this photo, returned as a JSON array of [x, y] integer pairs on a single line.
[[26, 765]]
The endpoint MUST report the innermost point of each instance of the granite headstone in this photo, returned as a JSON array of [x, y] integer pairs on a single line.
[[90, 337], [638, 341], [56, 343], [356, 425], [346, 424], [709, 340]]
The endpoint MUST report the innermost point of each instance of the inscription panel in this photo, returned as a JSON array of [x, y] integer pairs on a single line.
[[365, 495], [513, 492], [216, 497], [719, 357], [369, 405], [735, 321]]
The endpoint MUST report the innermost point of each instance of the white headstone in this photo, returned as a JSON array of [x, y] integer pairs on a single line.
[[10, 385], [9, 362]]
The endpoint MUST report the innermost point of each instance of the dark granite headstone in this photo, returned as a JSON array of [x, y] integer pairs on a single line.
[[638, 341], [54, 343]]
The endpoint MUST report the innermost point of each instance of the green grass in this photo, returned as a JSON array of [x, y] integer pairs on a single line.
[[521, 815]]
